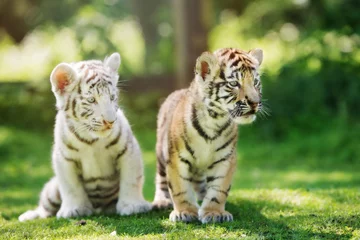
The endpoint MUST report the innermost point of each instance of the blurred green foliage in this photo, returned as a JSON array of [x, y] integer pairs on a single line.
[[311, 76], [307, 151]]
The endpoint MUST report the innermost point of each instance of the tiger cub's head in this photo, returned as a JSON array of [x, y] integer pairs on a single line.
[[87, 92], [230, 82]]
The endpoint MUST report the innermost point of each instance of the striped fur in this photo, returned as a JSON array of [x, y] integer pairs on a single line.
[[96, 159], [197, 134]]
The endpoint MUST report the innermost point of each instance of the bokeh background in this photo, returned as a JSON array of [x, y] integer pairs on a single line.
[[310, 76]]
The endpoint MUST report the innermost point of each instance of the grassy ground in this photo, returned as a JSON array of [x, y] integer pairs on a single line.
[[302, 188]]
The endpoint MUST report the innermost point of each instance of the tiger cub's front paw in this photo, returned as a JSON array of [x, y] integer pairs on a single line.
[[212, 216], [183, 216], [128, 207], [74, 211]]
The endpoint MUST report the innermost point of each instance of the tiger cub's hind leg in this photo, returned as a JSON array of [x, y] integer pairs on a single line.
[[49, 203], [182, 194], [162, 198]]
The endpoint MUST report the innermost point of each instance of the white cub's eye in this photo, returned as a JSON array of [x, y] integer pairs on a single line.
[[234, 83], [112, 97], [91, 99]]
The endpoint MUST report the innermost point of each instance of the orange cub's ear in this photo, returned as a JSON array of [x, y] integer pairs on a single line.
[[205, 65], [204, 69], [62, 77], [257, 53]]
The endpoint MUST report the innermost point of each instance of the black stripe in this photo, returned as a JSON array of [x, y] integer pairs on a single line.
[[231, 56], [73, 107], [231, 99], [217, 87], [191, 180], [216, 188], [71, 147], [84, 113], [185, 202], [91, 78], [104, 196], [120, 154], [164, 189], [79, 89], [187, 146], [213, 114], [89, 142], [112, 177], [179, 194], [212, 178], [220, 160], [196, 125], [211, 104], [214, 199], [225, 52], [115, 140], [222, 75], [161, 169], [226, 143], [68, 145], [223, 128], [226, 193], [200, 130], [67, 106], [235, 63], [186, 162], [89, 114], [72, 160], [93, 85]]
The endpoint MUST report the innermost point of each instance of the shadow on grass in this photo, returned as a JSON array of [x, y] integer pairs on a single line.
[[248, 220]]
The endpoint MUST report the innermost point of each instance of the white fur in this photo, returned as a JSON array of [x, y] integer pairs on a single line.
[[98, 168]]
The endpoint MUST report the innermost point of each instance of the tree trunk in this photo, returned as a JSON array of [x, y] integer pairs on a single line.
[[191, 27]]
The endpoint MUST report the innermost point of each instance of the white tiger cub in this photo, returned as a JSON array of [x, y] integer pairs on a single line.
[[96, 158]]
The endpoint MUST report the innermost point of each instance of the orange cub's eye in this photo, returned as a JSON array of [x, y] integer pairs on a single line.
[[234, 83]]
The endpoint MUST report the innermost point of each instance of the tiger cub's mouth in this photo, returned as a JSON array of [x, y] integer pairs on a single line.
[[249, 113], [239, 113]]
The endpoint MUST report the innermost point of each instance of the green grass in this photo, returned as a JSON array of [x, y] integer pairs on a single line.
[[306, 187]]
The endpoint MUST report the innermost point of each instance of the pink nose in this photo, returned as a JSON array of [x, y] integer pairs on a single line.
[[252, 104], [108, 123]]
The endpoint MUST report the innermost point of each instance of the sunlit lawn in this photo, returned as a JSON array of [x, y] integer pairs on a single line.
[[286, 190]]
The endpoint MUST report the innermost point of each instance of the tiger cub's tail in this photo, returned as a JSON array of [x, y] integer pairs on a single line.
[[49, 203]]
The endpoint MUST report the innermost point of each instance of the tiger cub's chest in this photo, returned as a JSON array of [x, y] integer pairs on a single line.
[[97, 161], [204, 151]]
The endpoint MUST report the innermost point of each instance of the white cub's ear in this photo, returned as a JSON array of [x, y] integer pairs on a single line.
[[113, 61], [205, 65], [257, 53], [62, 78]]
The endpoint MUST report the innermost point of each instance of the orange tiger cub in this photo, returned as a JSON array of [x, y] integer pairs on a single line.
[[197, 134]]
